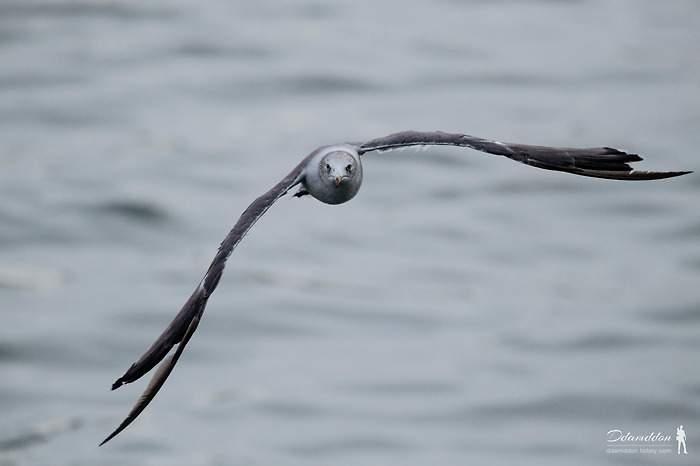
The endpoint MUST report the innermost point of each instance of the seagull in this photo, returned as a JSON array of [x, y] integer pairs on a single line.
[[333, 175]]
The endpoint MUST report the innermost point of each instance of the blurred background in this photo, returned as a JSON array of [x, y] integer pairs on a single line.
[[462, 309]]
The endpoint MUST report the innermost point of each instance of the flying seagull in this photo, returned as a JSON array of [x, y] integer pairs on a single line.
[[333, 174]]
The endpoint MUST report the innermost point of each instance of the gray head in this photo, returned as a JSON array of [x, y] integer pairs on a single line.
[[335, 176]]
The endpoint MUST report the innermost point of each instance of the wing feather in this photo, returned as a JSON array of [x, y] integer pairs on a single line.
[[599, 162], [185, 322]]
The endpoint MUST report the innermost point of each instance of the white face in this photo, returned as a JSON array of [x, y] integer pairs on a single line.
[[337, 167]]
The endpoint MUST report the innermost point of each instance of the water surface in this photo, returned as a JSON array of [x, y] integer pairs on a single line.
[[462, 309]]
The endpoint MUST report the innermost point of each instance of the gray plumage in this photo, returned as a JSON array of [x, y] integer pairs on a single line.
[[333, 175]]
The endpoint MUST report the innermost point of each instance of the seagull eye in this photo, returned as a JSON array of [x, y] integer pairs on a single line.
[[328, 168], [349, 168]]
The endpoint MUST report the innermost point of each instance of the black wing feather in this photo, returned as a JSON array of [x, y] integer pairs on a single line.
[[599, 162], [185, 322]]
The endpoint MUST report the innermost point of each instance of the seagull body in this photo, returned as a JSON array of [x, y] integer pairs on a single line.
[[333, 175]]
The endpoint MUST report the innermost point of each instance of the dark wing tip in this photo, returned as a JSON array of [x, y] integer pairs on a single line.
[[112, 435], [159, 378], [117, 384], [602, 162], [626, 156], [638, 175]]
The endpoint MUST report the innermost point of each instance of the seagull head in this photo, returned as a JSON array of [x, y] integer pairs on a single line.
[[338, 167], [335, 176]]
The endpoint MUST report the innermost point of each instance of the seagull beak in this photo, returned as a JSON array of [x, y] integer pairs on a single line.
[[337, 180]]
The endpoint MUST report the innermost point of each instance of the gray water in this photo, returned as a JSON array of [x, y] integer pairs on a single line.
[[462, 309]]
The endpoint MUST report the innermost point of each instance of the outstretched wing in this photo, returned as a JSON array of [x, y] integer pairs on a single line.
[[600, 162], [185, 323]]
